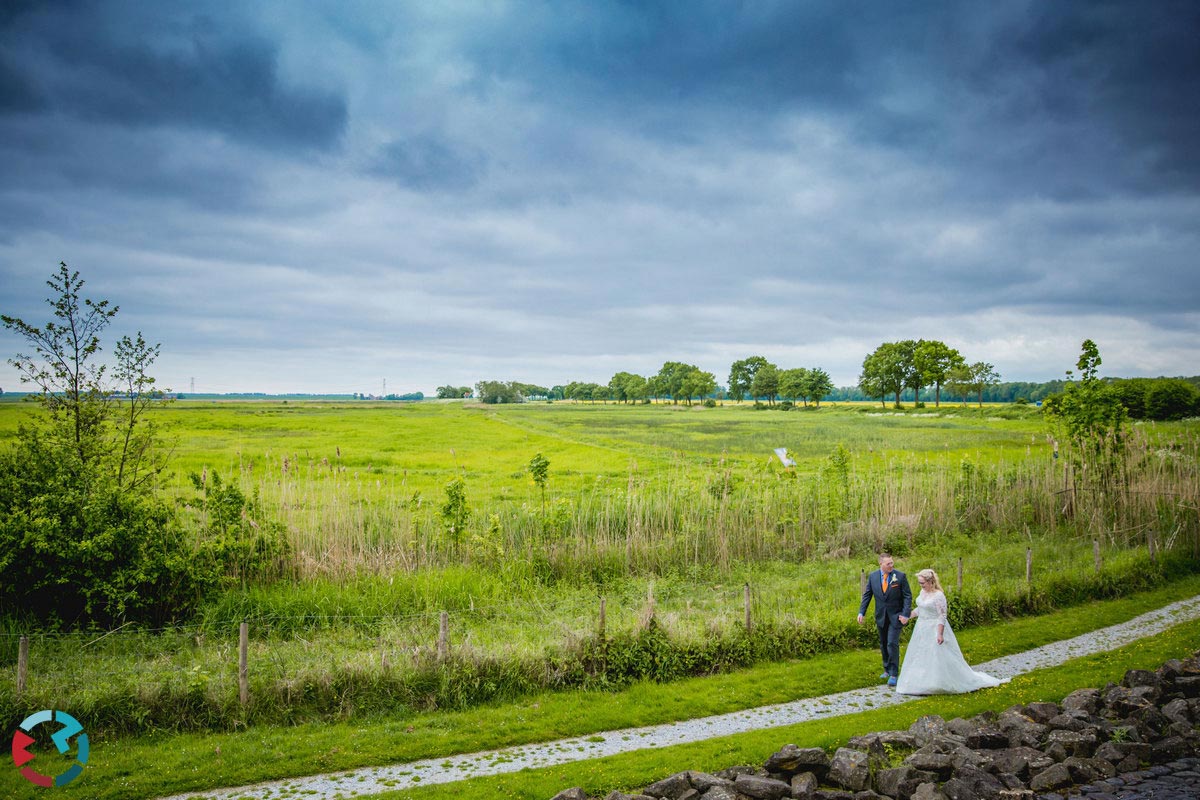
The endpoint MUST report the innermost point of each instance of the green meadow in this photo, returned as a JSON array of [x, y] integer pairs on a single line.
[[641, 488], [679, 521], [419, 446], [653, 489]]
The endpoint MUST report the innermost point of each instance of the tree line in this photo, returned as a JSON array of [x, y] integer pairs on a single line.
[[896, 369], [758, 379], [753, 378], [407, 397], [900, 371], [675, 381], [914, 365], [1142, 398]]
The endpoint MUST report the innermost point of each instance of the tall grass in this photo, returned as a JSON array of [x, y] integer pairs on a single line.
[[724, 512]]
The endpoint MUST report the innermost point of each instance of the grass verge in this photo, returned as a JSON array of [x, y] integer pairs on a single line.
[[634, 770], [131, 769]]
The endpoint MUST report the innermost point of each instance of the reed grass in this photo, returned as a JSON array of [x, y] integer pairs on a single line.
[[725, 510]]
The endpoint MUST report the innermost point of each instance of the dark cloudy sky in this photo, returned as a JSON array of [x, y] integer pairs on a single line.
[[303, 196]]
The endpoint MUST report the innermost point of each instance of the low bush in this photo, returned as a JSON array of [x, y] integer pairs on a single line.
[[74, 550], [238, 541]]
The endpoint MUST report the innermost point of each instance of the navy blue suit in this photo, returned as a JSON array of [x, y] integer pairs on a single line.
[[896, 602]]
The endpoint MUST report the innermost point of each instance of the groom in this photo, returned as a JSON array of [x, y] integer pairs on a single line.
[[893, 602]]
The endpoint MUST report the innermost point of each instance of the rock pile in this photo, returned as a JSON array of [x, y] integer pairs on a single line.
[[1039, 750]]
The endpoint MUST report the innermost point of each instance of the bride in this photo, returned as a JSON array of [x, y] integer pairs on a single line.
[[933, 663]]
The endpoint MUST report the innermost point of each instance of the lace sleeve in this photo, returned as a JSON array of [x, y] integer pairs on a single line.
[[939, 605]]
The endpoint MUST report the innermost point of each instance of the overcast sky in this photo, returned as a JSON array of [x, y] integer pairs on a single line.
[[298, 197]]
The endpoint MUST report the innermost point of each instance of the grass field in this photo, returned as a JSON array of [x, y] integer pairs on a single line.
[[418, 447], [359, 485], [673, 515], [655, 488]]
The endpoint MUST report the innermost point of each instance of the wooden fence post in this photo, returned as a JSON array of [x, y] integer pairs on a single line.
[[1152, 546], [1096, 554], [746, 603], [243, 664], [602, 633], [443, 645], [862, 582], [1028, 565], [22, 664], [1068, 495], [960, 575]]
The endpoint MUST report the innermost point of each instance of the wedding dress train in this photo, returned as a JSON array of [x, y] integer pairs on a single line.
[[932, 668]]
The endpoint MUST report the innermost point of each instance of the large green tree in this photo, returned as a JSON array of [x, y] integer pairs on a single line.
[[1158, 398], [888, 370], [1171, 398], [983, 375], [741, 376], [871, 380], [578, 390], [765, 383], [793, 384], [817, 384], [913, 377], [626, 387], [530, 390], [960, 382], [496, 392], [934, 361], [699, 384], [671, 379]]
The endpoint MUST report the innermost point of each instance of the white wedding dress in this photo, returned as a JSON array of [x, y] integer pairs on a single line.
[[932, 668]]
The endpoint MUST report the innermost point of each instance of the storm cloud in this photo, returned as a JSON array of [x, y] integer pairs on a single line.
[[315, 197]]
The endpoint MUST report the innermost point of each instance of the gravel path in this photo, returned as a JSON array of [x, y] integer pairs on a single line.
[[373, 780]]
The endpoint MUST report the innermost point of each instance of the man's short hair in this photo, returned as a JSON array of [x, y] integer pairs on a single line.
[[884, 555]]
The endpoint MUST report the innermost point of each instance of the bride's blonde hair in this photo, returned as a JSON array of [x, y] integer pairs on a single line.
[[931, 579]]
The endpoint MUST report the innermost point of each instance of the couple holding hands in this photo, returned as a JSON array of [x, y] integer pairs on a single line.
[[933, 662]]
